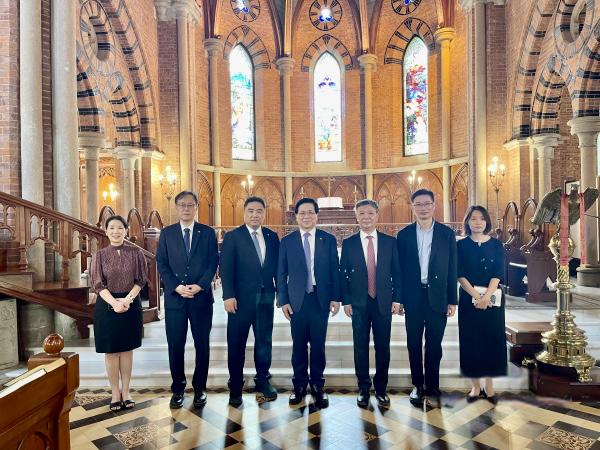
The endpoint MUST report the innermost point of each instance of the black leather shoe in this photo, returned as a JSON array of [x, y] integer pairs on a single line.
[[473, 398], [199, 399], [235, 400], [383, 399], [265, 392], [433, 392], [363, 398], [493, 399], [297, 397], [320, 397], [176, 400], [416, 396]]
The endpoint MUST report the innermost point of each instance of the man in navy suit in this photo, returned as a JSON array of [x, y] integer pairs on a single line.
[[370, 283], [308, 289], [187, 260], [427, 251], [249, 259]]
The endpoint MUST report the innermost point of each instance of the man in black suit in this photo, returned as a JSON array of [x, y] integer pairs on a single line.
[[249, 259], [427, 251], [187, 260], [308, 288], [370, 283]]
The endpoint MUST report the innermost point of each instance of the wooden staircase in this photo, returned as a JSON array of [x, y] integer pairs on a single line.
[[23, 223]]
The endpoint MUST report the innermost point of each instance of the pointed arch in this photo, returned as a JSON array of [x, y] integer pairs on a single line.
[[327, 109], [243, 124], [415, 70], [252, 44], [326, 43]]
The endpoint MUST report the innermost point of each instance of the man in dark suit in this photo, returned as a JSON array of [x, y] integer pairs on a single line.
[[370, 283], [308, 288], [249, 259], [187, 260], [427, 251]]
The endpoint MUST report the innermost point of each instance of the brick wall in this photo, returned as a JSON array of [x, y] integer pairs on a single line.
[[567, 161]]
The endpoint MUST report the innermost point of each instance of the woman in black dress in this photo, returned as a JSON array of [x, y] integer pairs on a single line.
[[118, 273], [480, 312]]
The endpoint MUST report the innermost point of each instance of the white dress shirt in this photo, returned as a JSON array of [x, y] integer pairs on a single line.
[[191, 228], [261, 240], [311, 241], [365, 242], [424, 239]]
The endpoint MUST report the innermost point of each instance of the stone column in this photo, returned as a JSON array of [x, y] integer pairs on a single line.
[[64, 134], [520, 164], [91, 144], [368, 64], [544, 145], [214, 49], [127, 156], [587, 129], [285, 65], [444, 36]]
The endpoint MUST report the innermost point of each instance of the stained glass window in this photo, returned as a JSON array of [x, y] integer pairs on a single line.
[[328, 109], [242, 103], [416, 136]]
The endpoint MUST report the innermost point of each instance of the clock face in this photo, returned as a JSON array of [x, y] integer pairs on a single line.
[[246, 10], [404, 7], [325, 14]]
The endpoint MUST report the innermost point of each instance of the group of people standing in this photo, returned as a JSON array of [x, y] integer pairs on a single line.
[[378, 276]]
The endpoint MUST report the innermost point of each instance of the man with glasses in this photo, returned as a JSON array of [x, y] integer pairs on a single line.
[[308, 289], [427, 251], [187, 260], [249, 259]]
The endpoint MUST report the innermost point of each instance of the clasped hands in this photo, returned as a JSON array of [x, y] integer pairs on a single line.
[[483, 302], [121, 305], [188, 290]]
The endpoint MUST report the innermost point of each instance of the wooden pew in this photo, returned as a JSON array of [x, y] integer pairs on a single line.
[[35, 406]]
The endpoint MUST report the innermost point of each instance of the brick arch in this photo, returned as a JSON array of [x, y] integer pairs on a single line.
[[522, 94], [90, 107], [245, 36], [547, 95], [124, 113], [135, 60], [586, 77], [326, 43], [410, 27]]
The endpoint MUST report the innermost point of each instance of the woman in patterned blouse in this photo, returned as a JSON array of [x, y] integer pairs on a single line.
[[118, 272]]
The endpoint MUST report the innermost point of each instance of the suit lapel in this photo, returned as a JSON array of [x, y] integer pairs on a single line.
[[318, 248], [434, 242], [413, 244], [250, 242], [179, 239], [358, 248], [197, 234], [297, 240]]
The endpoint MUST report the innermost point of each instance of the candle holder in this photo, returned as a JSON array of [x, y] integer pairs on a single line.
[[112, 193], [496, 173], [247, 185], [168, 183], [414, 182], [564, 345]]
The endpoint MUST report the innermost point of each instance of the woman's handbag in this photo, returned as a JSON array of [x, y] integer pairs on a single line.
[[495, 299]]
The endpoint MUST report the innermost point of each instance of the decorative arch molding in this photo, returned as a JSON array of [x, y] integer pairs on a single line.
[[585, 91], [205, 198], [545, 107], [274, 196], [311, 188], [125, 114], [522, 94], [394, 51], [393, 195], [135, 60], [326, 43], [245, 36], [91, 113], [459, 193]]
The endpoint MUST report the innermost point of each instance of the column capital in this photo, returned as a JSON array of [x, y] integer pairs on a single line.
[[91, 140], [178, 9], [128, 153], [468, 5], [516, 144], [545, 140], [368, 61], [586, 129], [285, 65], [445, 34], [213, 46], [91, 153]]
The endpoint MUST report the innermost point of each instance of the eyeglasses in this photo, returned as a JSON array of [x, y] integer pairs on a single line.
[[423, 205], [186, 205], [306, 213]]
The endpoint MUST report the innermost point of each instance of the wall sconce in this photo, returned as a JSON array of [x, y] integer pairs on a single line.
[[247, 185]]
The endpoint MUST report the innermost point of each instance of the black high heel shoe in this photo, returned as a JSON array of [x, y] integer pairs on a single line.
[[474, 398], [493, 399]]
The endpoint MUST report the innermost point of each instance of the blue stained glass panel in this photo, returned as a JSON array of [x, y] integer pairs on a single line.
[[328, 109], [416, 129], [242, 104]]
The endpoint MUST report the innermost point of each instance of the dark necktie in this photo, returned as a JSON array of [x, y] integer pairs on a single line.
[[371, 283], [309, 280], [187, 241], [257, 247]]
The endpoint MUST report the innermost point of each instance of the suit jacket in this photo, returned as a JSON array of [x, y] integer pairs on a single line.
[[354, 277], [441, 275], [176, 268], [292, 271], [242, 275]]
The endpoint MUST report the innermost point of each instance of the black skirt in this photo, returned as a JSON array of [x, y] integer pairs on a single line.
[[117, 332]]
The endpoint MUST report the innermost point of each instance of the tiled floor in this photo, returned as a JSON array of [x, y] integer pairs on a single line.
[[519, 421]]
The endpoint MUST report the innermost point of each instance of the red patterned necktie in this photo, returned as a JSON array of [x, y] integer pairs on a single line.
[[371, 268]]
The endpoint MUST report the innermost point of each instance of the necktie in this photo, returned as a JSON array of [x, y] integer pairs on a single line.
[[371, 268], [187, 241], [309, 282], [257, 247]]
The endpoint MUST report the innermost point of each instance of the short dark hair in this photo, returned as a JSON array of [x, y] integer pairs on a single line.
[[304, 200], [185, 194], [367, 202], [119, 218], [254, 199], [484, 213], [422, 192]]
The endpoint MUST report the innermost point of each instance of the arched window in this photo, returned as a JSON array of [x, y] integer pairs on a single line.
[[241, 77], [416, 128], [327, 94]]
